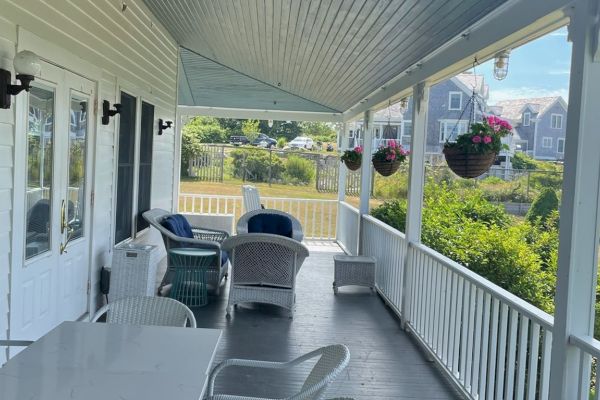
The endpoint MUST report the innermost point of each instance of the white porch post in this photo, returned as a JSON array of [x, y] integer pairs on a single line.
[[579, 213], [366, 172], [343, 171], [177, 161], [416, 181]]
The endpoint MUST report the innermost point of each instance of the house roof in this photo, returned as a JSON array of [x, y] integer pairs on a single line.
[[513, 109], [313, 55]]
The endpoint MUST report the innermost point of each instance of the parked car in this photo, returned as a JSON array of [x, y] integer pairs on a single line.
[[238, 140], [301, 142], [264, 141]]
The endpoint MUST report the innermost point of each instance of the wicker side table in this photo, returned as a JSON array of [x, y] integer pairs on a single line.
[[354, 270], [188, 267]]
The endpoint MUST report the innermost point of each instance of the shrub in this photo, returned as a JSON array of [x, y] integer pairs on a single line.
[[543, 206], [299, 170], [281, 142], [253, 165], [522, 161], [206, 130]]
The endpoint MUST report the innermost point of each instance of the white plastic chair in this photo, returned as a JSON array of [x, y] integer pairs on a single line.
[[251, 198], [332, 361], [158, 311]]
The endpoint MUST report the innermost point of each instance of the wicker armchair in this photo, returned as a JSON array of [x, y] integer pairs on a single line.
[[333, 360], [242, 224], [204, 238], [264, 269], [158, 311]]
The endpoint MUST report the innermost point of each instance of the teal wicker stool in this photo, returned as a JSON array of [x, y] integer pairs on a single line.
[[188, 269]]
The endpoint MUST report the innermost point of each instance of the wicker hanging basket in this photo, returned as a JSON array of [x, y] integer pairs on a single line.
[[352, 165], [386, 168], [468, 165]]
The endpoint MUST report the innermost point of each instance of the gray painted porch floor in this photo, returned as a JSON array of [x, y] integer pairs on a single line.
[[385, 362]]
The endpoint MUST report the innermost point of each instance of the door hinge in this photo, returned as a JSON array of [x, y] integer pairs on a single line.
[[89, 287]]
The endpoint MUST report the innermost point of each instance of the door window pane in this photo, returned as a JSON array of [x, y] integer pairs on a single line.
[[124, 211], [145, 172], [78, 129], [40, 140]]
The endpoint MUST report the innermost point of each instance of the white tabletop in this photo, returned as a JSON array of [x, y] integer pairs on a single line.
[[95, 361]]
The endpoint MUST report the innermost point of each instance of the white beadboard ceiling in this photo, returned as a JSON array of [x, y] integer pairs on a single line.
[[305, 55]]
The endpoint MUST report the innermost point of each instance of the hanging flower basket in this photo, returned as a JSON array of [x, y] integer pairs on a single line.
[[468, 165], [353, 165], [474, 152], [352, 158], [388, 158], [386, 168]]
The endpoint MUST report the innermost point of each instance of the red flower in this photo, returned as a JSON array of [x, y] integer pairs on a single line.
[[476, 139]]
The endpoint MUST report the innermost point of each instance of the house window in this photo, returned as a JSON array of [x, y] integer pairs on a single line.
[[556, 121], [526, 118], [547, 142], [450, 129], [560, 145], [406, 128], [454, 101]]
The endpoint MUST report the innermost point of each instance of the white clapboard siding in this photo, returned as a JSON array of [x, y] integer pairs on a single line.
[[129, 48]]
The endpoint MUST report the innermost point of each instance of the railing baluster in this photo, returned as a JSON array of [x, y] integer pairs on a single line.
[[493, 349], [533, 361], [512, 350], [446, 321], [460, 301], [545, 373], [501, 366], [522, 360], [452, 337], [482, 367], [464, 332], [470, 340]]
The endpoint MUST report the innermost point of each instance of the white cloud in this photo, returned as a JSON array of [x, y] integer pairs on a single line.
[[497, 95]]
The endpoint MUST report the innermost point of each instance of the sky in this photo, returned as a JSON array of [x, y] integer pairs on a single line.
[[536, 69]]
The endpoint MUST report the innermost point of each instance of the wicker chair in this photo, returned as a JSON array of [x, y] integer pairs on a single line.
[[264, 269], [204, 238], [157, 311], [242, 224], [251, 198], [333, 360]]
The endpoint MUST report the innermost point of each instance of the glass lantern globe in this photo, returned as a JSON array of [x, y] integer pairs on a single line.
[[501, 65], [27, 63]]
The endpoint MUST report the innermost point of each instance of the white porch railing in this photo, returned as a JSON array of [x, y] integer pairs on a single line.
[[317, 216], [491, 343], [347, 230], [588, 371]]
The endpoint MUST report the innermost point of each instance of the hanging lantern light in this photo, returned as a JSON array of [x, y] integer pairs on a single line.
[[501, 64], [270, 123], [403, 105]]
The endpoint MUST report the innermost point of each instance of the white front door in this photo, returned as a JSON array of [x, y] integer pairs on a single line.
[[53, 171]]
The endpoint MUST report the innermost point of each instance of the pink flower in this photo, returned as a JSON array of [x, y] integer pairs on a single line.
[[392, 143], [393, 156], [358, 149], [476, 139], [487, 139]]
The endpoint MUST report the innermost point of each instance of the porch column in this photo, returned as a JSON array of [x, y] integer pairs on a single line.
[[579, 212], [416, 181], [366, 174], [177, 161], [343, 171]]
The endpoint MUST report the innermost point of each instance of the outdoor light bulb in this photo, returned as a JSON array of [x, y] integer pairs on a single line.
[[27, 63], [501, 65]]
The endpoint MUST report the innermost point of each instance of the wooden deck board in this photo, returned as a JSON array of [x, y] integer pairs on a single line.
[[385, 361]]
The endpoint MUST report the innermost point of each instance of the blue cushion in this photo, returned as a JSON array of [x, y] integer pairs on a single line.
[[224, 257], [271, 223], [178, 225]]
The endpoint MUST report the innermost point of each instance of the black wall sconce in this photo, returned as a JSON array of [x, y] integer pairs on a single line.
[[107, 112], [27, 65], [162, 125]]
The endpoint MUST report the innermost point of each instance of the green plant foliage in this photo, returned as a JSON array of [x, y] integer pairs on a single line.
[[522, 161], [299, 170], [319, 131], [287, 129], [543, 206], [206, 130], [190, 147], [254, 165], [281, 142]]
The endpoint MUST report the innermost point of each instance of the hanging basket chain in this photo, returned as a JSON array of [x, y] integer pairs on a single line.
[[470, 105]]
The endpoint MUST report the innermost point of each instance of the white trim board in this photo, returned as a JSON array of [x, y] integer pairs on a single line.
[[240, 113]]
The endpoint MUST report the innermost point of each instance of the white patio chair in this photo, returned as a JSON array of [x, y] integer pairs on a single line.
[[157, 311], [264, 269], [242, 224], [251, 198], [333, 360]]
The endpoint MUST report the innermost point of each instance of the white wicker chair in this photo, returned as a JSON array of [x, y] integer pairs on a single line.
[[242, 224], [158, 311], [251, 198], [333, 360], [264, 269]]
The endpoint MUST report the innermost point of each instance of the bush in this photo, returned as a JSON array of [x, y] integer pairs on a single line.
[[522, 161], [253, 165], [299, 170], [206, 130], [281, 142], [543, 206]]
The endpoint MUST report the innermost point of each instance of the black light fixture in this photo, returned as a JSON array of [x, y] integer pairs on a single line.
[[107, 112], [27, 65], [162, 125]]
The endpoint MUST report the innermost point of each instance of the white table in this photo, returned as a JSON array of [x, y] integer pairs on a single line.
[[95, 361]]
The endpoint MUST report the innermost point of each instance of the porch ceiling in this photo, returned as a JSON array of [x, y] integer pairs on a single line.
[[313, 55]]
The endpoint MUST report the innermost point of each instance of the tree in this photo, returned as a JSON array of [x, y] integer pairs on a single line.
[[206, 130], [190, 147], [250, 128], [543, 206], [319, 130], [287, 129]]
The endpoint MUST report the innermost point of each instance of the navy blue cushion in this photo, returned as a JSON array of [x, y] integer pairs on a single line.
[[271, 223], [224, 257], [178, 225]]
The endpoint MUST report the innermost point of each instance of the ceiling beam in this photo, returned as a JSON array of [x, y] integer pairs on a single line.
[[511, 25], [276, 115]]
